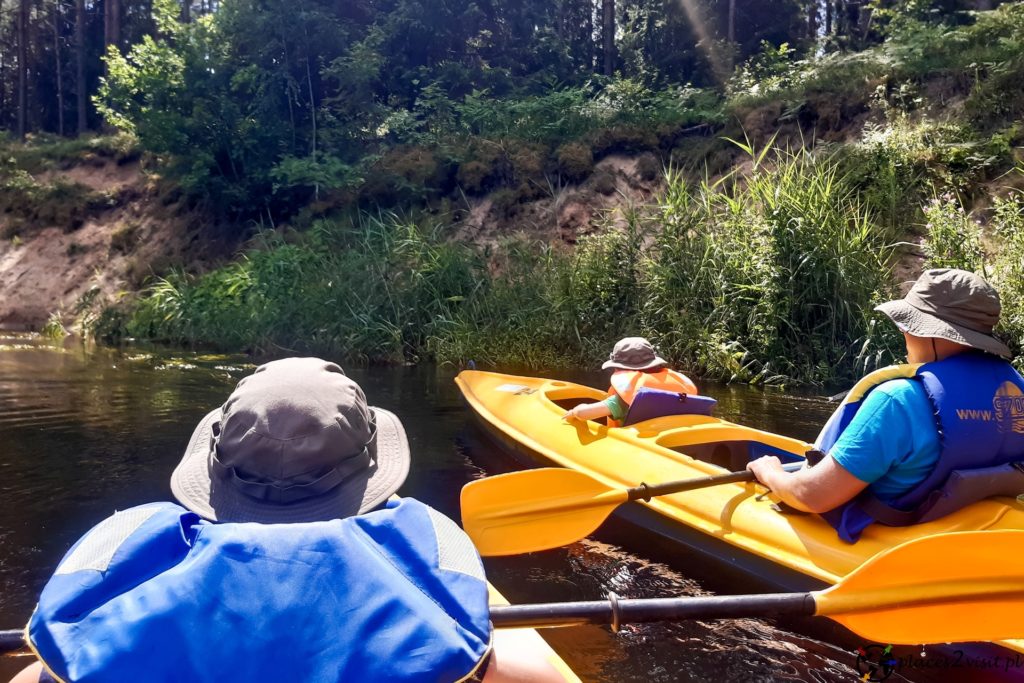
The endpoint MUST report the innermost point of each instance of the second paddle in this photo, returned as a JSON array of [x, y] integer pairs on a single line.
[[523, 512]]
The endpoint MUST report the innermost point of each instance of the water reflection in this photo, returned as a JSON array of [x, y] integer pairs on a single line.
[[86, 431]]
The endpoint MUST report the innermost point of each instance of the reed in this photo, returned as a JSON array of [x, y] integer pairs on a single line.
[[766, 277]]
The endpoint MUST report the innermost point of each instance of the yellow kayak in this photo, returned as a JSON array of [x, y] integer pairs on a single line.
[[794, 551]]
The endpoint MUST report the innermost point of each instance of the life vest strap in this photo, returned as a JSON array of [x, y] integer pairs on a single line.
[[962, 488]]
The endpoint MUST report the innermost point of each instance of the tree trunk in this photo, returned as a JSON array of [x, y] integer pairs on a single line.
[[116, 24], [588, 27], [80, 65], [812, 21], [106, 25], [112, 23], [57, 65], [732, 22], [22, 67], [608, 34], [864, 18], [186, 11], [828, 17], [3, 82]]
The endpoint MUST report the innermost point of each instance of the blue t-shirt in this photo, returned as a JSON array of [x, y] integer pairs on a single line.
[[892, 442]]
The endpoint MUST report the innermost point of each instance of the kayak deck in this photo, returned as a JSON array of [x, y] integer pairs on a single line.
[[526, 412], [528, 640]]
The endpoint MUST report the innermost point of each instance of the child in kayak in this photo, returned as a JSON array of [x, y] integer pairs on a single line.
[[636, 365]]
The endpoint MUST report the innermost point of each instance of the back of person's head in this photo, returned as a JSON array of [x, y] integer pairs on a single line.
[[634, 353], [956, 305], [295, 442]]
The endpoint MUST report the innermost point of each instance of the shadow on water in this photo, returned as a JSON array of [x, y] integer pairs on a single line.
[[85, 432]]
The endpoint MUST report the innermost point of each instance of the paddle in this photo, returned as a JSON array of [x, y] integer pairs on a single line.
[[522, 512], [955, 587]]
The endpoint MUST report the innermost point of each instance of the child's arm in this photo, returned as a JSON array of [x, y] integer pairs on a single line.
[[588, 411]]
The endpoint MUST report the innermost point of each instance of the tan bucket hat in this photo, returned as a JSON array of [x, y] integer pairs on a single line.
[[633, 353], [295, 442], [950, 304]]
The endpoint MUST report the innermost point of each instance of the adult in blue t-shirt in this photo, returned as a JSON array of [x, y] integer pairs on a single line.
[[892, 443]]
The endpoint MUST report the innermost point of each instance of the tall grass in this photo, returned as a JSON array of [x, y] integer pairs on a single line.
[[765, 277], [770, 276], [369, 291], [958, 240]]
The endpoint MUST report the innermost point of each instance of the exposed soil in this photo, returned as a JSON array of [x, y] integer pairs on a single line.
[[50, 270], [573, 210]]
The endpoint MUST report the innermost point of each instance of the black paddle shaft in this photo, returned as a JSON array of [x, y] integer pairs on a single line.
[[615, 611], [611, 611], [11, 641], [646, 491]]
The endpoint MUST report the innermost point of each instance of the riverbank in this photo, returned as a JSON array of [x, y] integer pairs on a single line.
[[85, 222], [747, 229], [766, 277]]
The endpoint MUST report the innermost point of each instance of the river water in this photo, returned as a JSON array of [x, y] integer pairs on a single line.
[[84, 432]]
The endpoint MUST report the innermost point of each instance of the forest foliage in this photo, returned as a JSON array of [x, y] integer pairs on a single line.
[[259, 108], [761, 261]]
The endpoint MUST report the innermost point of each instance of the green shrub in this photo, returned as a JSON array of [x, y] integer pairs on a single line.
[[124, 237], [952, 239], [473, 176], [648, 167], [29, 203], [54, 327], [766, 278], [624, 138], [575, 161], [1007, 272], [402, 175], [527, 161], [43, 152]]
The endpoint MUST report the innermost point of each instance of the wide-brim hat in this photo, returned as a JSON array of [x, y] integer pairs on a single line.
[[295, 442], [633, 353], [950, 304]]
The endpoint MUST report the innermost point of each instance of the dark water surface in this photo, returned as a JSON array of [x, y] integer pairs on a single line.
[[86, 432]]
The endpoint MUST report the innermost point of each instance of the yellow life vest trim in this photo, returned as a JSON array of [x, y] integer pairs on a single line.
[[873, 379]]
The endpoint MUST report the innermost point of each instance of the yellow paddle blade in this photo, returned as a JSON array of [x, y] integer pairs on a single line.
[[963, 586], [523, 512]]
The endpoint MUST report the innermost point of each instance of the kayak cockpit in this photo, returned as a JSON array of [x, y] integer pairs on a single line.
[[693, 434]]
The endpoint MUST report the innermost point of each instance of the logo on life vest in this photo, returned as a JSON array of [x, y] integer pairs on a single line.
[[1009, 407], [1007, 412]]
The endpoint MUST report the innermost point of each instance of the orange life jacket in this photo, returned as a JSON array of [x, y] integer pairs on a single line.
[[625, 384]]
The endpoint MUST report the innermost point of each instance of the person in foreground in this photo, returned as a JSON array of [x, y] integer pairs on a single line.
[[290, 561], [914, 442], [636, 366]]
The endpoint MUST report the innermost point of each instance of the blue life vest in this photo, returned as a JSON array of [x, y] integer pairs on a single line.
[[651, 403], [978, 401], [155, 594]]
